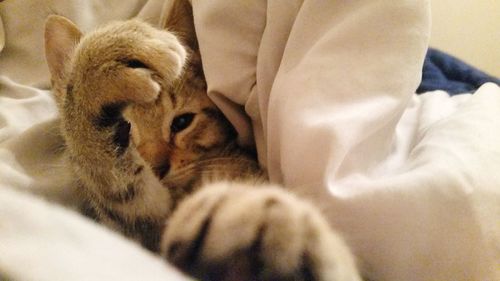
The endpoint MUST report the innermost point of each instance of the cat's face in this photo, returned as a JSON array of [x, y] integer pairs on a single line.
[[174, 125], [182, 127]]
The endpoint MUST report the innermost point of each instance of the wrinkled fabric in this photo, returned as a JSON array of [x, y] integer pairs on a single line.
[[44, 242], [411, 181], [325, 90]]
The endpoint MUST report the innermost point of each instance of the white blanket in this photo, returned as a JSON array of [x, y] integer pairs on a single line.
[[325, 89]]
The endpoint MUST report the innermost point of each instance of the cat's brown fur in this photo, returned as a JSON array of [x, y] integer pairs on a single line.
[[142, 137]]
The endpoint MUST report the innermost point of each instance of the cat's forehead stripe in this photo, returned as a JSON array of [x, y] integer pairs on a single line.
[[173, 98]]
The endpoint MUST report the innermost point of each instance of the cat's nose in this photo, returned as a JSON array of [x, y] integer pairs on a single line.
[[162, 170]]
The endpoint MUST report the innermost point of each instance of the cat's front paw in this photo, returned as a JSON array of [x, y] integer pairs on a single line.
[[152, 64], [236, 232]]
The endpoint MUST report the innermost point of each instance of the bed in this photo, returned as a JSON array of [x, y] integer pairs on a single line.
[[411, 181]]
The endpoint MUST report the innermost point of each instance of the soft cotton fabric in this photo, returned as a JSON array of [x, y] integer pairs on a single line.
[[411, 181], [325, 89]]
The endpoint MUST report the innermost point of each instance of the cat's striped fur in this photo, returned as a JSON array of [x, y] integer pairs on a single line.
[[142, 137]]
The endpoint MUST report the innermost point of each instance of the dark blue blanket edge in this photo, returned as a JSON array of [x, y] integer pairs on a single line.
[[442, 71]]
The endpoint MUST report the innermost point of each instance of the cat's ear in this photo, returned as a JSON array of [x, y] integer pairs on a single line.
[[61, 38], [178, 17]]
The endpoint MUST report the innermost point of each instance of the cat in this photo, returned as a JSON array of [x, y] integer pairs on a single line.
[[156, 160]]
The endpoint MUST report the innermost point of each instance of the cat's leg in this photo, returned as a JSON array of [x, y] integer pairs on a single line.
[[118, 186], [119, 66], [230, 231]]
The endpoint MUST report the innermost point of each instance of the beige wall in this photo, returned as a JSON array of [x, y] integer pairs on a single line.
[[469, 30]]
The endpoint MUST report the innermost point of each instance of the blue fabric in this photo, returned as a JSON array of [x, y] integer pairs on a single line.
[[445, 72]]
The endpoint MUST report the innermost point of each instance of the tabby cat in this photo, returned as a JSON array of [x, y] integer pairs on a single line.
[[155, 159]]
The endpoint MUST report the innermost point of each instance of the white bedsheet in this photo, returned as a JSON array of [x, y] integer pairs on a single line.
[[325, 89], [413, 182]]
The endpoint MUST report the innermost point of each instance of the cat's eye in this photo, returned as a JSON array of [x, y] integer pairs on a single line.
[[181, 122], [135, 64]]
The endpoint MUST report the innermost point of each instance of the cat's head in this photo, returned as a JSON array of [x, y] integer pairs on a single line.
[[129, 61]]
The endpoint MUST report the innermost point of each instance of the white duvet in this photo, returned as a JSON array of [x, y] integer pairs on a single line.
[[325, 90]]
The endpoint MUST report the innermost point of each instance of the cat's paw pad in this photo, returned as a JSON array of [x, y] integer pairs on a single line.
[[232, 232]]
